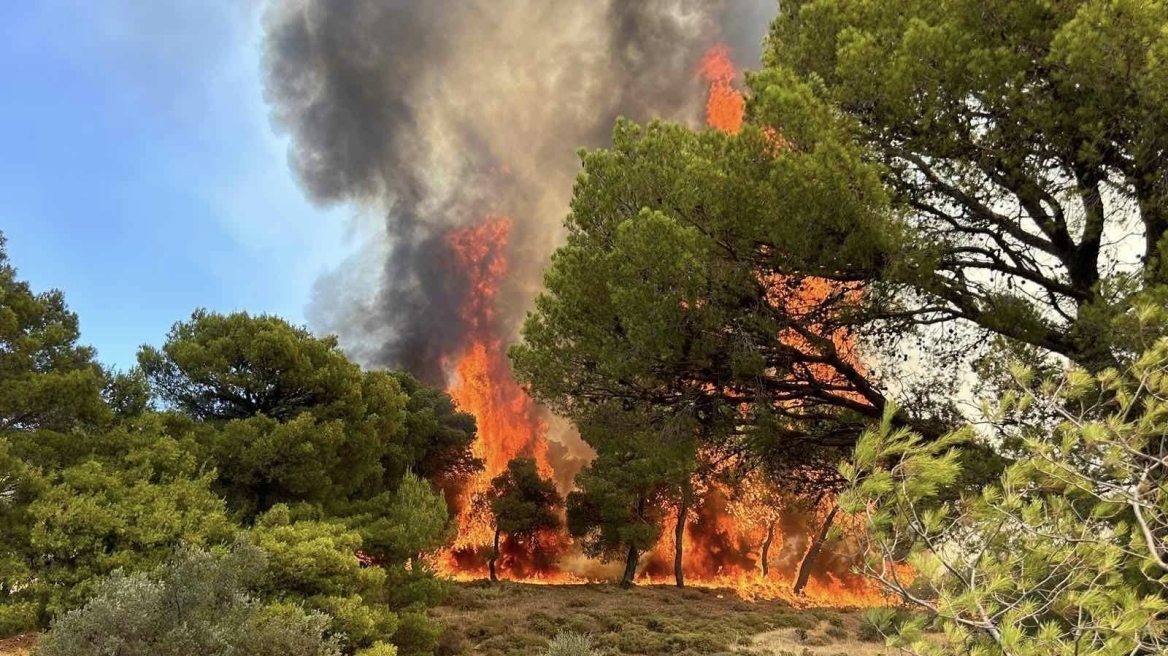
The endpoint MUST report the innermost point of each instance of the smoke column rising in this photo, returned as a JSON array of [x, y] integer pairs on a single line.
[[436, 113]]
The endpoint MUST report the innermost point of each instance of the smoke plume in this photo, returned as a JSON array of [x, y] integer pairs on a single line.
[[437, 113]]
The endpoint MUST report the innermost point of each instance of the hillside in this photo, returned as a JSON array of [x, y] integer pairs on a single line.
[[508, 619]]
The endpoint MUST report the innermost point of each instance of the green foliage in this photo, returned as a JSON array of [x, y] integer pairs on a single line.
[[102, 515], [93, 480], [524, 503], [198, 603], [128, 394], [47, 381], [224, 367], [288, 419], [379, 649], [398, 526], [1012, 135], [437, 439], [621, 497], [684, 255], [1065, 554], [315, 563], [417, 634]]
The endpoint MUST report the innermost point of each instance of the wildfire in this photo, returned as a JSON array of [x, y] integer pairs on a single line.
[[730, 537], [509, 424]]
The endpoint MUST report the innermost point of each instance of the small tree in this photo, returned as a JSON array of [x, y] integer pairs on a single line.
[[622, 499], [1067, 554], [524, 505]]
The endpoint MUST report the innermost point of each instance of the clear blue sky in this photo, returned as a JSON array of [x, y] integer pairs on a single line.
[[139, 172]]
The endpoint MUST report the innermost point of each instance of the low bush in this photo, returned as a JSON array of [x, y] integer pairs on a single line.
[[195, 604]]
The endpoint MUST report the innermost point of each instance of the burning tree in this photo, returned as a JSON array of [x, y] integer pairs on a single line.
[[665, 297], [624, 495], [526, 509]]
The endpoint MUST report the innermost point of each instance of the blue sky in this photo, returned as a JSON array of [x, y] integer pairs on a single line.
[[140, 173]]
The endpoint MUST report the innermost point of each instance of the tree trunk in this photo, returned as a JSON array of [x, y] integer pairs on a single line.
[[679, 535], [813, 552], [630, 568], [495, 555], [766, 548]]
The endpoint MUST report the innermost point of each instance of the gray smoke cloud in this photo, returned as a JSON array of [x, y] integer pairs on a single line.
[[437, 113]]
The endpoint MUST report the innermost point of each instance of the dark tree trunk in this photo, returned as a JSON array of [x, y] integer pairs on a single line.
[[495, 555], [813, 552], [678, 535], [630, 568], [766, 548]]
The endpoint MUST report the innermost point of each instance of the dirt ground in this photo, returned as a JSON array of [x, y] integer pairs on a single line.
[[18, 646], [516, 620]]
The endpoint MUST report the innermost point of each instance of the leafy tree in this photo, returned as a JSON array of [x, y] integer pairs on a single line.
[[126, 512], [437, 437], [622, 497], [1020, 140], [677, 286], [47, 381], [314, 562], [128, 394], [293, 420], [224, 367], [1066, 554], [524, 505], [925, 178], [198, 603], [404, 525], [263, 462], [19, 487]]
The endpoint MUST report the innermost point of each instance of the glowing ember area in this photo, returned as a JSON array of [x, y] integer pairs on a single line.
[[509, 424], [726, 107]]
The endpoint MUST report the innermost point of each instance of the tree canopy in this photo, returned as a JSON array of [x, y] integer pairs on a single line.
[[524, 505]]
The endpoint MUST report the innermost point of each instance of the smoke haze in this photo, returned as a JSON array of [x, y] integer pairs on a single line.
[[437, 113]]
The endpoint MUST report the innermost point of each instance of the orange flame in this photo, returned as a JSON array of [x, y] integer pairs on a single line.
[[726, 107], [509, 424]]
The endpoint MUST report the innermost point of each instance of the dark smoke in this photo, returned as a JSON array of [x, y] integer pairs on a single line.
[[435, 113]]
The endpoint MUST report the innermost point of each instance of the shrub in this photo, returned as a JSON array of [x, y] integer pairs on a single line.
[[379, 649], [195, 604], [416, 634], [570, 644], [18, 618]]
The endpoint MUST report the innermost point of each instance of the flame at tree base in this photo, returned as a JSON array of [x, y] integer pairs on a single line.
[[826, 592]]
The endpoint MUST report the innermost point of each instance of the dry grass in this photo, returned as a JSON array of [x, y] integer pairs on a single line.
[[508, 619]]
